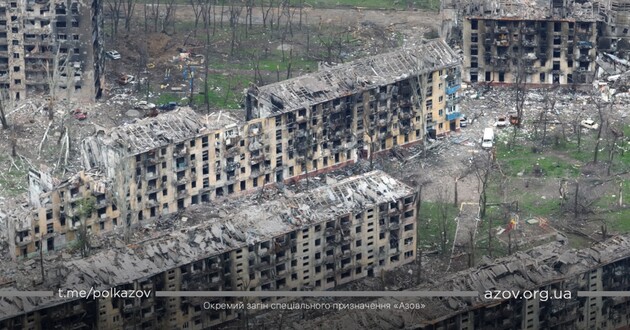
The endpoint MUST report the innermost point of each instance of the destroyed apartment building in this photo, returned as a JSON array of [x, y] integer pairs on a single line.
[[554, 268], [530, 42], [302, 126], [47, 44], [316, 240], [614, 24]]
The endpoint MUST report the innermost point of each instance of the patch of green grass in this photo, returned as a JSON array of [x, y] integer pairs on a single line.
[[13, 182], [167, 97], [521, 159], [620, 220], [430, 228], [532, 205], [486, 227], [222, 91], [371, 4]]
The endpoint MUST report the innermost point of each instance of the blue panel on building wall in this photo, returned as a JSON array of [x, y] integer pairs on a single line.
[[452, 115], [451, 90]]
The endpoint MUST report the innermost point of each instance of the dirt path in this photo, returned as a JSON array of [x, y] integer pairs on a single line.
[[467, 222]]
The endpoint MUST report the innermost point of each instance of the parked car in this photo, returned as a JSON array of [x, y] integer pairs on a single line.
[[114, 55], [589, 123], [126, 79], [144, 105], [168, 106], [463, 121], [502, 121]]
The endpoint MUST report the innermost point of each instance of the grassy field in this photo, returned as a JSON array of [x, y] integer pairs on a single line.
[[13, 181], [429, 226], [565, 161], [369, 4]]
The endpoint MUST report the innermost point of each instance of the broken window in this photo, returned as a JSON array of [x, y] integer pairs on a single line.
[[556, 52]]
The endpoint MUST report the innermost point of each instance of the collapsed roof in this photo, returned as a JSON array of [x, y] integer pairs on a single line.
[[208, 230], [349, 78], [525, 270], [155, 132], [533, 9]]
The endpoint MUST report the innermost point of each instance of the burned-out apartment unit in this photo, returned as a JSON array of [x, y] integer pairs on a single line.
[[352, 110], [162, 165], [553, 267], [315, 240], [614, 23], [48, 44], [535, 43]]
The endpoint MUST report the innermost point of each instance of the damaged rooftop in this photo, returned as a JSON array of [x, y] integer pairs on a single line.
[[155, 132], [530, 269], [533, 9], [199, 232], [332, 82]]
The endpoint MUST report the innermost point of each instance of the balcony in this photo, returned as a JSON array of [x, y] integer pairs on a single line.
[[502, 43], [452, 89], [453, 101], [530, 43], [585, 44], [530, 31], [584, 58], [501, 30], [24, 240], [452, 116]]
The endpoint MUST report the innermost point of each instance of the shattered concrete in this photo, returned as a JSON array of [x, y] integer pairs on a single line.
[[261, 237], [549, 267]]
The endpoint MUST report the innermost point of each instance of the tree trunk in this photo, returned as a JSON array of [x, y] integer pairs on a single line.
[[575, 202], [455, 202]]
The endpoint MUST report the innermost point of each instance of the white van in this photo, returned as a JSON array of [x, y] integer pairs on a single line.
[[488, 138]]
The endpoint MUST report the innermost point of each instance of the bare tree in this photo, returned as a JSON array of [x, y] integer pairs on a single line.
[[128, 7], [576, 126], [444, 220], [482, 165], [155, 14], [3, 104], [581, 198], [169, 15], [614, 134], [600, 106], [235, 13], [114, 10], [265, 10], [206, 69], [198, 9]]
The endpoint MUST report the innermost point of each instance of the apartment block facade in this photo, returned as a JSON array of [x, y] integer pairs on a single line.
[[551, 270], [315, 240], [48, 44], [162, 165], [552, 44]]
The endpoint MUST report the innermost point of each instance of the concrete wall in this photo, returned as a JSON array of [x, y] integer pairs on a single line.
[[318, 257], [239, 159], [548, 51], [36, 35]]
